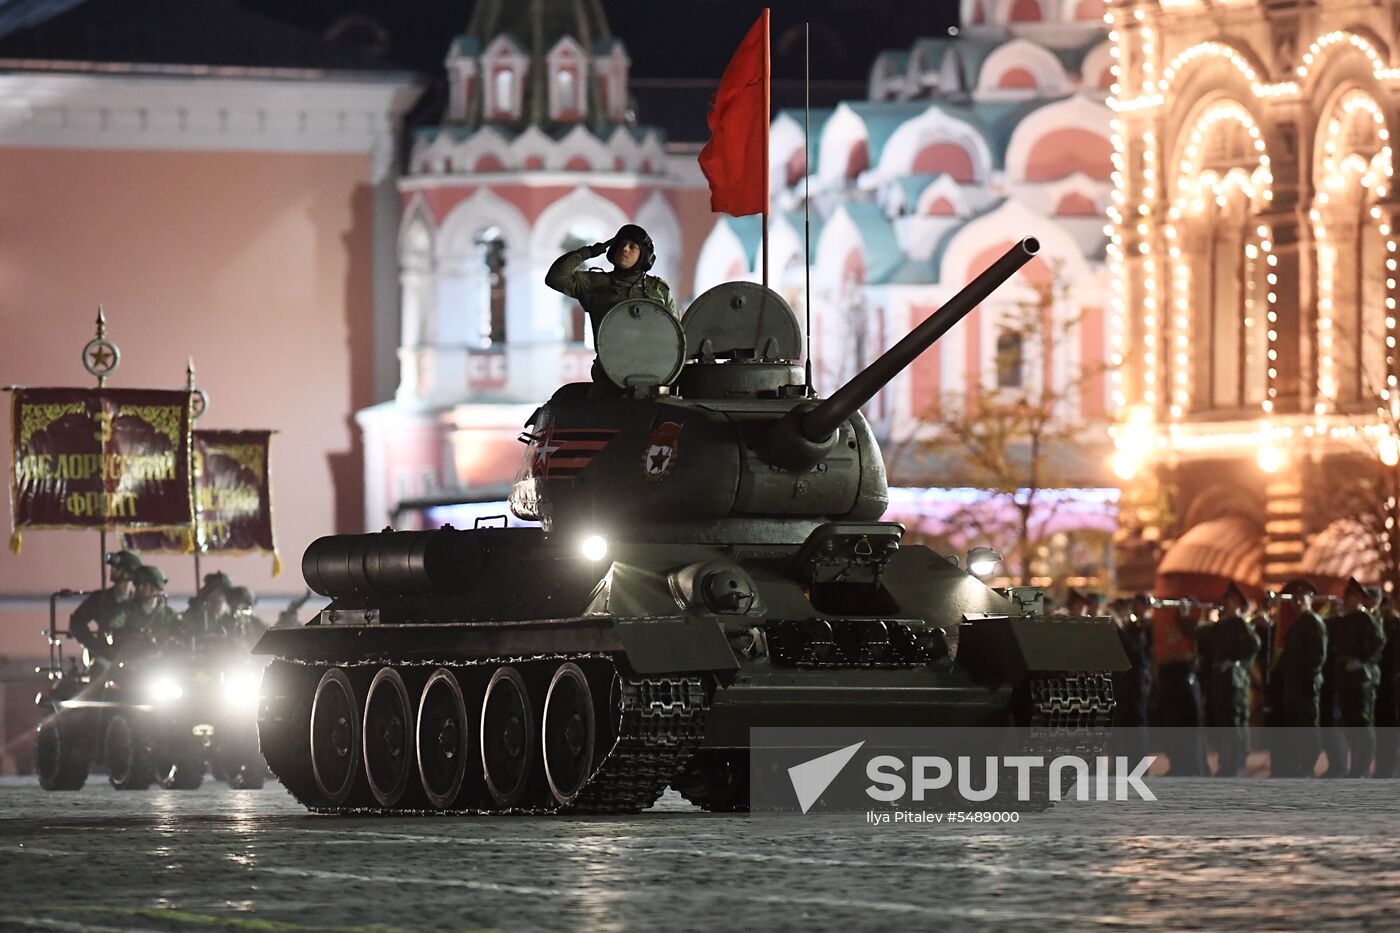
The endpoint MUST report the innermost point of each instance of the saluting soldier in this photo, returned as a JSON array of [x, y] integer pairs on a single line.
[[1231, 646], [1388, 694], [146, 622], [1295, 681], [91, 622], [1357, 647], [632, 254]]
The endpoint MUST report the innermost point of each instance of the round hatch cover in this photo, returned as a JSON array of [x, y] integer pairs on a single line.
[[742, 320], [640, 343]]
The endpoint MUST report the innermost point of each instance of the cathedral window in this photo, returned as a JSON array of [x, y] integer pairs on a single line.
[[565, 93], [1010, 360], [503, 94]]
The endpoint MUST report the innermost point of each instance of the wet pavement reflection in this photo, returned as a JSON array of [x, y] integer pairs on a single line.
[[1218, 854]]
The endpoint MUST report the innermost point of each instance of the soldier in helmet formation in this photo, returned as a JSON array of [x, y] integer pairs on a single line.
[[146, 621], [1357, 645], [632, 254], [1227, 649], [208, 605], [243, 625], [91, 622], [1295, 681]]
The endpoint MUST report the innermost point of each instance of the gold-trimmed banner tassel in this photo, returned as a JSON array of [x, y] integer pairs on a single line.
[[16, 542], [276, 563]]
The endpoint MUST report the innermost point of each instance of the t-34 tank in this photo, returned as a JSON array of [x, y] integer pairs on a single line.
[[710, 559]]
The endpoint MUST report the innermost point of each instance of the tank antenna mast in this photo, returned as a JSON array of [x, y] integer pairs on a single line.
[[807, 193]]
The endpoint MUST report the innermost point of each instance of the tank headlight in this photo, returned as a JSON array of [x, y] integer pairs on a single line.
[[982, 561], [164, 688], [241, 687], [594, 547]]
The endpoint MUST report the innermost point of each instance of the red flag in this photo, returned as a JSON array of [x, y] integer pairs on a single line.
[[735, 160]]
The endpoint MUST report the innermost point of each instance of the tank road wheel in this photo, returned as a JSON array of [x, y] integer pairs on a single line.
[[507, 737], [335, 737], [388, 737], [59, 756], [568, 733], [442, 739], [129, 765]]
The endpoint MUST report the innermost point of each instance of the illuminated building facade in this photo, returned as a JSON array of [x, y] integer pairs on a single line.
[[1254, 260], [964, 144], [537, 153]]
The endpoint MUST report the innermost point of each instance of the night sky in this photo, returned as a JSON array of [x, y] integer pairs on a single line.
[[678, 47]]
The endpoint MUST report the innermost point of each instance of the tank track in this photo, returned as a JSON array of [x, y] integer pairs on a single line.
[[660, 722], [1068, 714]]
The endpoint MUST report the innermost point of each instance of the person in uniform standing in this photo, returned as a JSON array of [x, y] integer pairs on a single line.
[[1358, 643], [91, 622], [1174, 628], [632, 254], [1131, 688], [1388, 693], [1230, 645], [1295, 682]]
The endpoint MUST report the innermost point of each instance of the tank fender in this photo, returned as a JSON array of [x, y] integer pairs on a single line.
[[1005, 650], [675, 643]]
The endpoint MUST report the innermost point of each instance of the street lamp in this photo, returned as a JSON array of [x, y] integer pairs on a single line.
[[982, 561]]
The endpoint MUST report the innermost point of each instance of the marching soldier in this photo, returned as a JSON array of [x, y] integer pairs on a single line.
[[1131, 688], [632, 254], [1358, 645], [91, 622], [146, 622], [1295, 681], [1179, 702], [1229, 647], [1263, 625], [1388, 694]]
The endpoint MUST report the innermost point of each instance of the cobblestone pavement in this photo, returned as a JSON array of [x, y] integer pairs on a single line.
[[1216, 854]]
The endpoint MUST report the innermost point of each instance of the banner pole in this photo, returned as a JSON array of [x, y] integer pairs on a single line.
[[101, 383], [807, 194], [767, 124]]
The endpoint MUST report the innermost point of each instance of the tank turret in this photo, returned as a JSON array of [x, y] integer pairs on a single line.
[[714, 436], [711, 560]]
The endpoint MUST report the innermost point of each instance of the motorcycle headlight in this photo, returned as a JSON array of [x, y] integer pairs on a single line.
[[164, 688], [241, 687]]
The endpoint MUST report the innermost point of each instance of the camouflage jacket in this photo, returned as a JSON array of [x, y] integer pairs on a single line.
[[598, 291]]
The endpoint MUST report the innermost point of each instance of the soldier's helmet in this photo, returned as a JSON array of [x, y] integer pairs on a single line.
[[124, 562], [218, 580], [1355, 588], [241, 598], [635, 234], [150, 576]]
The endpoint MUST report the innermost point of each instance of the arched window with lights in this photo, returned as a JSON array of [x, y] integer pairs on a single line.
[[491, 247]]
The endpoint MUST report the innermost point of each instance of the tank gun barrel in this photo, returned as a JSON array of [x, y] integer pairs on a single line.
[[818, 423]]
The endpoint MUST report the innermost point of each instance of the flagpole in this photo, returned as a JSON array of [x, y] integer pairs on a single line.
[[767, 124], [807, 193]]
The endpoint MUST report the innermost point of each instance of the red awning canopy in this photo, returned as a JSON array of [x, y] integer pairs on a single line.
[[1212, 554], [1342, 550]]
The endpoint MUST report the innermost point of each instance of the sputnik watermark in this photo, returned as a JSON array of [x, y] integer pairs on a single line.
[[916, 779]]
